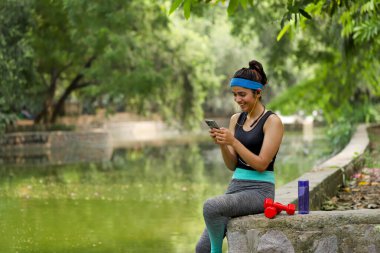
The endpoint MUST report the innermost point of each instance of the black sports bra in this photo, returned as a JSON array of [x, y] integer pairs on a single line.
[[252, 139]]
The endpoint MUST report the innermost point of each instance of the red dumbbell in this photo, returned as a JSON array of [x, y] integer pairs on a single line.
[[270, 212], [271, 208]]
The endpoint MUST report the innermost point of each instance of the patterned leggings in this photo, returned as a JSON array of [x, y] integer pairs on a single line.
[[243, 197]]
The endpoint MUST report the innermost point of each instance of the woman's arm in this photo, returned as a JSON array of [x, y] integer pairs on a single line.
[[273, 133], [228, 152]]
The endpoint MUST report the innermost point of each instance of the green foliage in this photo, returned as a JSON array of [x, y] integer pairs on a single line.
[[16, 55], [172, 74], [350, 27], [187, 5], [340, 133], [287, 104], [94, 44], [344, 82], [339, 75], [120, 54], [332, 44], [5, 120], [132, 56], [187, 76], [367, 30], [372, 158]]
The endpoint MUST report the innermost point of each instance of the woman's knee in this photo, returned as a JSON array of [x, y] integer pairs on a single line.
[[210, 207]]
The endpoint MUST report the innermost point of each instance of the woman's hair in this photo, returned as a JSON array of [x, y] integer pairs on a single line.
[[255, 72]]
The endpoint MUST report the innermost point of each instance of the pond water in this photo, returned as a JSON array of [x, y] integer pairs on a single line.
[[145, 199]]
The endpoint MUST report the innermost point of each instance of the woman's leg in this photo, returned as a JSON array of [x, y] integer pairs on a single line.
[[203, 245], [218, 210]]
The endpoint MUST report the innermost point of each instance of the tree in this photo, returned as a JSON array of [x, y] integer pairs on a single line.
[[334, 41], [16, 59], [125, 53], [76, 45], [342, 40]]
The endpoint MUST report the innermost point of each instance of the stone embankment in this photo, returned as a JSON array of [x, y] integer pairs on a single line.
[[319, 231], [85, 144], [57, 147]]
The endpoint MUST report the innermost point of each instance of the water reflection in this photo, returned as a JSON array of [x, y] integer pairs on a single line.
[[144, 199]]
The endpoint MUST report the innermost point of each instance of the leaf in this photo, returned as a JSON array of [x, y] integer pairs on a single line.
[[283, 31], [175, 4], [187, 8], [333, 8], [366, 31], [233, 4], [304, 13], [289, 4], [283, 20], [244, 3], [289, 16]]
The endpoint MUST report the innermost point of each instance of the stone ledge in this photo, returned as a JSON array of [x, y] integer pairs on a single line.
[[55, 147], [305, 221], [325, 178], [319, 231]]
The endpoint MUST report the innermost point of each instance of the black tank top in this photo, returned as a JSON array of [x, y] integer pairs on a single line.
[[252, 139]]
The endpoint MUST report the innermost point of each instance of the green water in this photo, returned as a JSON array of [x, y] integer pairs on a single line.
[[146, 199]]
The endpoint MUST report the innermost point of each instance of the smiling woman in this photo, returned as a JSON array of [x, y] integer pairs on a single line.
[[249, 148]]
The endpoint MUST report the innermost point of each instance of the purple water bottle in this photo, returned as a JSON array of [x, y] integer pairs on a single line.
[[303, 196]]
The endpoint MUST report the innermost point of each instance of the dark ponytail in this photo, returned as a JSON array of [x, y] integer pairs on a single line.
[[255, 72]]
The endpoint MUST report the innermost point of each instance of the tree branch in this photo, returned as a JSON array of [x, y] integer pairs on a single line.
[[75, 84], [86, 84]]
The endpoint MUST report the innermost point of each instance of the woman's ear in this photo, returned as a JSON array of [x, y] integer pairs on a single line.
[[258, 93]]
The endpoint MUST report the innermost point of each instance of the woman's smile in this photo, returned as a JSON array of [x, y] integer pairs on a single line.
[[244, 106]]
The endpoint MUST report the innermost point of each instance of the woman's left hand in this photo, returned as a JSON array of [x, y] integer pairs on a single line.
[[224, 137]]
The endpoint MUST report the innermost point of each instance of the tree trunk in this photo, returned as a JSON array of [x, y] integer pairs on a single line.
[[74, 85], [61, 102], [45, 115], [51, 110]]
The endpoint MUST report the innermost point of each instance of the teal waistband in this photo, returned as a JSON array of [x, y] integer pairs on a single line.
[[243, 174]]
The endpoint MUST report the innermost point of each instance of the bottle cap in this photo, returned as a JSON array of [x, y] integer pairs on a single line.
[[303, 183]]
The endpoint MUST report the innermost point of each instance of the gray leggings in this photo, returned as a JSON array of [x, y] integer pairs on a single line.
[[243, 197]]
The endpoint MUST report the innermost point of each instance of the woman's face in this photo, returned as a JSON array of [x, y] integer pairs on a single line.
[[244, 97]]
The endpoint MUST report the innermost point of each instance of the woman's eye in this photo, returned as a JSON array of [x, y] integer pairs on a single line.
[[242, 94]]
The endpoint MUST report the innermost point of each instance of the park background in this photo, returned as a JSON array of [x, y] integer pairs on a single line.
[[66, 61]]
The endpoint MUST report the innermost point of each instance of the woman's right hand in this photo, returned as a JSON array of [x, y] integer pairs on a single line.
[[213, 132]]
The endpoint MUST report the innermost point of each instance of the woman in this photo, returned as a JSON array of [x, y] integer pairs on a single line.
[[249, 149]]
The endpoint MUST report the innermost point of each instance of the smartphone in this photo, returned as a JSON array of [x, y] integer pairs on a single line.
[[212, 123]]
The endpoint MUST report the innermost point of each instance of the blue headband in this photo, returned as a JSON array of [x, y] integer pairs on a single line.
[[245, 83]]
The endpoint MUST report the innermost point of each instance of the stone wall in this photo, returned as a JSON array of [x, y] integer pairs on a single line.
[[57, 147], [319, 231]]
